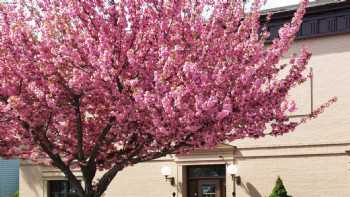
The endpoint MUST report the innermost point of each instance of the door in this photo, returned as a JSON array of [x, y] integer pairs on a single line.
[[209, 188], [206, 181]]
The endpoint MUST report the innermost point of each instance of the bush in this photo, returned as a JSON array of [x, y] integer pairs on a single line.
[[279, 190], [16, 194]]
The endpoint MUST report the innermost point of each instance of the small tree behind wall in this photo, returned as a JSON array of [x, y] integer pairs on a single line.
[[279, 190]]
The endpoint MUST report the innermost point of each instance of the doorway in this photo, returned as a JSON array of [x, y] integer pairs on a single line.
[[206, 181]]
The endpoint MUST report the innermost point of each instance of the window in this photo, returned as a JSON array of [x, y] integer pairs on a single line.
[[60, 188]]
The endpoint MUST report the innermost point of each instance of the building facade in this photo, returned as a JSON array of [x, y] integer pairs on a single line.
[[313, 161]]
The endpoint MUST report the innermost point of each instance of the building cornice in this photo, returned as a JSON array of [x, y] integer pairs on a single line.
[[320, 20], [294, 145], [303, 151]]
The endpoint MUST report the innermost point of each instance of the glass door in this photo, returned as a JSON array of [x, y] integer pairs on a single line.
[[209, 188], [206, 181]]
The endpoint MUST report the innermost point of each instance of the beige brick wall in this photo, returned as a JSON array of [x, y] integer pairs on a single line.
[[331, 64], [143, 180], [312, 176], [311, 161], [30, 181]]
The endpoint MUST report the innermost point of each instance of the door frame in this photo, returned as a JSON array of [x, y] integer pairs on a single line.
[[220, 179]]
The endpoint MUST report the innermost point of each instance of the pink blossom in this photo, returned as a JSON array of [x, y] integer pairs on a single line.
[[292, 106], [107, 84]]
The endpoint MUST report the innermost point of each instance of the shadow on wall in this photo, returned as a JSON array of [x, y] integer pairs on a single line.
[[251, 190], [180, 187], [30, 175]]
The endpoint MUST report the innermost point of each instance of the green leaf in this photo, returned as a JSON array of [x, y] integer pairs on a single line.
[[279, 190]]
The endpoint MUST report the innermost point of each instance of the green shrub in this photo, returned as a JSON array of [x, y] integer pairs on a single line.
[[16, 194], [279, 190]]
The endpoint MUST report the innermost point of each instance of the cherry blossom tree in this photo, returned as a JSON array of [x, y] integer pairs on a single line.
[[104, 84]]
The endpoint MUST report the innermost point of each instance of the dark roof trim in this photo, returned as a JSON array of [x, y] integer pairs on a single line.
[[322, 20], [315, 8]]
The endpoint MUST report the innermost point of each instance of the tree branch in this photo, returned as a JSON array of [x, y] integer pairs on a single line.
[[79, 125], [110, 174], [47, 147], [4, 99], [107, 179], [100, 139], [89, 169]]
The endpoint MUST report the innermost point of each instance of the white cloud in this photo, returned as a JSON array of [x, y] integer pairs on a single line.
[[281, 3], [270, 4]]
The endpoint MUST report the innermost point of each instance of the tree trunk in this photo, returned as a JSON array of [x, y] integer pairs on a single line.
[[91, 194]]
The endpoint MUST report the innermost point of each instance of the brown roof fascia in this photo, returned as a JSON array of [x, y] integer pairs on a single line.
[[286, 13]]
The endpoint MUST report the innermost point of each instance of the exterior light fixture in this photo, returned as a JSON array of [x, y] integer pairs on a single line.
[[166, 172], [232, 170]]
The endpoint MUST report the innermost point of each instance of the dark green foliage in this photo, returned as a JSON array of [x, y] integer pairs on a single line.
[[279, 190], [15, 194]]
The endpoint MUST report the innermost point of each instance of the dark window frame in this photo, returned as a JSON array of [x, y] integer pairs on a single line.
[[67, 188]]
